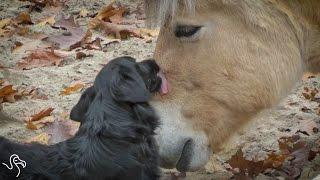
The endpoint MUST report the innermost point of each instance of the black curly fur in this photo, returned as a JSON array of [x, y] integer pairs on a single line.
[[115, 138]]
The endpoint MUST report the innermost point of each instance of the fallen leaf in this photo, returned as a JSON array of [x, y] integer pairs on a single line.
[[149, 32], [72, 89], [22, 31], [6, 90], [49, 20], [34, 125], [38, 5], [40, 58], [96, 44], [306, 109], [83, 12], [42, 138], [307, 127], [23, 18], [246, 167], [38, 94], [112, 13], [310, 93], [118, 31], [66, 23], [292, 157], [41, 114], [4, 22], [309, 75], [17, 45], [62, 130], [7, 93], [81, 55], [74, 36]]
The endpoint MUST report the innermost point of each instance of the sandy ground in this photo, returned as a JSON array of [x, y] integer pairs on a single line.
[[256, 139]]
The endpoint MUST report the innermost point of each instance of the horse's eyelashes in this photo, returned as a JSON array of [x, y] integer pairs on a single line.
[[186, 30]]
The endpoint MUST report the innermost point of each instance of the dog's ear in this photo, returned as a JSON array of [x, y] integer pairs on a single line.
[[128, 86], [79, 110]]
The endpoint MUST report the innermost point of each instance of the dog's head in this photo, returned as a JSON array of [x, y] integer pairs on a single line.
[[125, 80]]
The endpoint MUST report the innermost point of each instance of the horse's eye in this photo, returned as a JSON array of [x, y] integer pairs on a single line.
[[186, 30]]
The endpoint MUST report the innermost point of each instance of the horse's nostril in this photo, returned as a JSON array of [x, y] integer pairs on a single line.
[[185, 158]]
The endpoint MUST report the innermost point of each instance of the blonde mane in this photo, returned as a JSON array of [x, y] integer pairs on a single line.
[[158, 10]]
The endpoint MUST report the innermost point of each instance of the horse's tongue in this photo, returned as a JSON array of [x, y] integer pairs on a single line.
[[164, 85]]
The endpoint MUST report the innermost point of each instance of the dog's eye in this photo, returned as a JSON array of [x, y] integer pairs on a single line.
[[185, 31]]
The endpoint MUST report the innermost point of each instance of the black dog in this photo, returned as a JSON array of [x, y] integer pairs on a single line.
[[115, 138]]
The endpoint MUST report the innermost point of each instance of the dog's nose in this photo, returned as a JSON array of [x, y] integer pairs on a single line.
[[164, 84]]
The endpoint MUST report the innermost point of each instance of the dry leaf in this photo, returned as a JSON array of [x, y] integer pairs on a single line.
[[16, 46], [111, 13], [83, 12], [96, 44], [62, 130], [308, 127], [40, 58], [42, 138], [22, 31], [81, 55], [72, 89], [23, 18], [66, 23], [41, 114], [309, 75], [149, 32], [73, 38], [38, 94], [118, 31], [292, 157], [49, 20], [7, 93], [4, 22], [6, 90]]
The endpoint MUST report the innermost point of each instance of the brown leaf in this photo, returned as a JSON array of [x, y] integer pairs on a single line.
[[309, 75], [41, 114], [23, 18], [6, 90], [308, 127], [62, 130], [96, 44], [75, 39], [72, 89], [149, 32], [22, 31], [38, 94], [292, 151], [118, 31], [66, 23], [5, 22], [83, 12], [310, 94], [49, 20], [112, 13], [16, 46], [246, 167], [81, 55], [42, 138], [306, 109], [34, 125], [39, 58]]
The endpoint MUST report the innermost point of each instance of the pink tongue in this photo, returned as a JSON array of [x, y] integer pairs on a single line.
[[164, 85]]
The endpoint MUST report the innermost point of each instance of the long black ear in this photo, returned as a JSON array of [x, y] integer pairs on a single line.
[[128, 86], [79, 110]]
